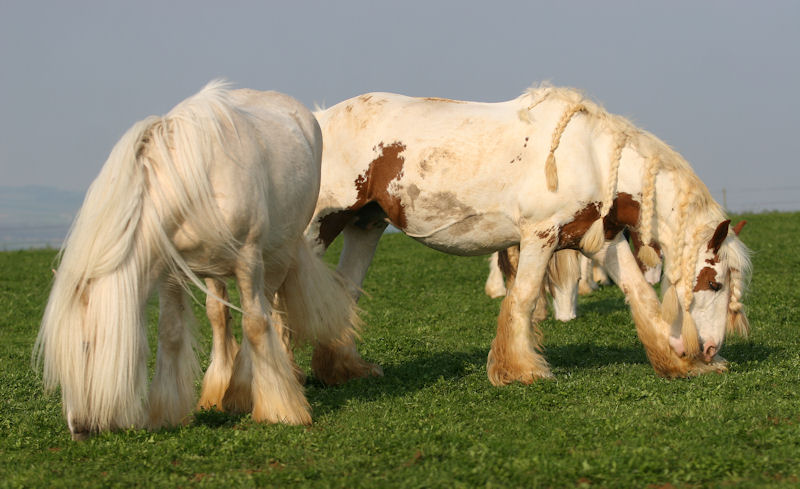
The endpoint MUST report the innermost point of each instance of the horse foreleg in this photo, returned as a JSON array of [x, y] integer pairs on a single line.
[[172, 393], [514, 355], [338, 361], [277, 396], [654, 332], [223, 347]]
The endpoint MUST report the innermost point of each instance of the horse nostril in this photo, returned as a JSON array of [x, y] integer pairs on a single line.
[[709, 351]]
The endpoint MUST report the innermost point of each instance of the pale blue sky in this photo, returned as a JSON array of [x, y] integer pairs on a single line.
[[715, 79]]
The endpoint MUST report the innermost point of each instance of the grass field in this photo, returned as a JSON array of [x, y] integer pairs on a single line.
[[434, 420]]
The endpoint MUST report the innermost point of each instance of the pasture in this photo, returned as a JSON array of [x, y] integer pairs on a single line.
[[434, 420]]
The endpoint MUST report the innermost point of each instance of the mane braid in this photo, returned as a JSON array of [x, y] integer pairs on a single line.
[[647, 254], [551, 172], [688, 258], [594, 237]]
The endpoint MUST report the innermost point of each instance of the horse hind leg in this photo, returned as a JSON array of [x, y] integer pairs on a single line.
[[514, 355], [587, 283], [277, 396], [563, 273], [336, 360], [495, 284], [172, 392], [223, 347]]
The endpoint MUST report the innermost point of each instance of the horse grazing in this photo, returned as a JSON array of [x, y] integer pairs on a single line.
[[549, 170], [222, 186]]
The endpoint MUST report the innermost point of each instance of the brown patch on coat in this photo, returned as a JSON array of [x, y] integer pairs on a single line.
[[570, 234], [549, 235], [331, 225], [706, 277], [636, 239], [373, 184], [624, 213]]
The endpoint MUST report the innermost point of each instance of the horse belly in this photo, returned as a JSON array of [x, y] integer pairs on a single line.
[[475, 234]]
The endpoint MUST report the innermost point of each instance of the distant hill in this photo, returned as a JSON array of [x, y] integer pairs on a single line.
[[36, 216]]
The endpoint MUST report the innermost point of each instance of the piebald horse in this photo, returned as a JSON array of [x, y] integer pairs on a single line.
[[549, 170], [222, 186]]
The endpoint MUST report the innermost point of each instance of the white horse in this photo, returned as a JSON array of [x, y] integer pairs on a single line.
[[222, 186], [548, 170]]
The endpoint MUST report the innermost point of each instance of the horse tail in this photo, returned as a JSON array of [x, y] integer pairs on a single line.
[[316, 302], [92, 341]]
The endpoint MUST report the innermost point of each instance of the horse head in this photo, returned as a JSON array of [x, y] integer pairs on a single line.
[[713, 294]]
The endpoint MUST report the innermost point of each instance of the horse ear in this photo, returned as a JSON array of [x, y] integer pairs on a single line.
[[719, 236], [738, 227]]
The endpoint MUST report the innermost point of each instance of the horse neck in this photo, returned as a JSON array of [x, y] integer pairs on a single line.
[[684, 214]]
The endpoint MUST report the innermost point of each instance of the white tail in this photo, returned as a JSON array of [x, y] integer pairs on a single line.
[[316, 302]]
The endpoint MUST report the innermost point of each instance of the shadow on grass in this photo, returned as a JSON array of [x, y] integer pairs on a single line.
[[602, 305], [213, 418], [749, 352], [589, 355], [427, 369]]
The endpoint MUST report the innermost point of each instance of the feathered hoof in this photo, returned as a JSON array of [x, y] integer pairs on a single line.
[[284, 414], [209, 401], [682, 367], [238, 399], [77, 430], [80, 435], [503, 370], [718, 365], [335, 366]]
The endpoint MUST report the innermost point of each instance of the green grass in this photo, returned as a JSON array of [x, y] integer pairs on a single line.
[[434, 420]]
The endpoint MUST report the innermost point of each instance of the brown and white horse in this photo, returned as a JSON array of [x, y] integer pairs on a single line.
[[549, 170], [223, 185]]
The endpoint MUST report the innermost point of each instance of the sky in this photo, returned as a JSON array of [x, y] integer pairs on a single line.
[[714, 79]]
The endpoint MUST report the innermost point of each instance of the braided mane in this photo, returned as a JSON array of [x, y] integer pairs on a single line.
[[697, 212]]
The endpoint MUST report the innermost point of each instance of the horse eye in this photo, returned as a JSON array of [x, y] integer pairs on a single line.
[[715, 286]]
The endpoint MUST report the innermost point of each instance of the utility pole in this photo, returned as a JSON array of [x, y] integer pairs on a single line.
[[724, 199]]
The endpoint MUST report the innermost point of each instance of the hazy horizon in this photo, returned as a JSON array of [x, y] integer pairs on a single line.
[[714, 79]]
